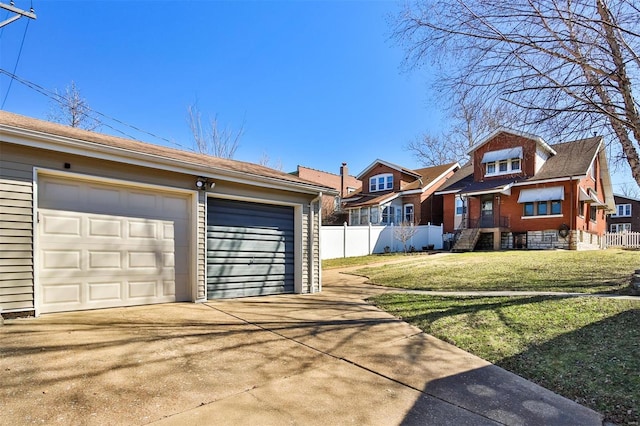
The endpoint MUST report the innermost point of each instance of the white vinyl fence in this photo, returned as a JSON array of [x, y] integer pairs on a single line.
[[621, 239], [348, 241]]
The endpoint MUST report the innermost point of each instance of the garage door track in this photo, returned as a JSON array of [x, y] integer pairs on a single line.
[[328, 358]]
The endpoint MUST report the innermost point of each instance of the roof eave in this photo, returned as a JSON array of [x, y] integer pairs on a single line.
[[493, 134], [37, 139]]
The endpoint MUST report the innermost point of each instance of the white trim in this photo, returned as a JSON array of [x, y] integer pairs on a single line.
[[390, 165], [376, 179], [499, 130], [432, 183], [543, 216], [451, 191], [561, 179]]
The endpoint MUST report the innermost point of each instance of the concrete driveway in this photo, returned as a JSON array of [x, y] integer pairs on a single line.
[[295, 359]]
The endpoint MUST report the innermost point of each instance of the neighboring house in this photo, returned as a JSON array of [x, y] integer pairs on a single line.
[[395, 194], [345, 184], [626, 216], [94, 221], [519, 192]]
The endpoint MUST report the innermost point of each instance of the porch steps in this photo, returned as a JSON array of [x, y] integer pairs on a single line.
[[467, 240]]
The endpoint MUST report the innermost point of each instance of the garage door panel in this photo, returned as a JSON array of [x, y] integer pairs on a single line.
[[250, 249], [98, 247]]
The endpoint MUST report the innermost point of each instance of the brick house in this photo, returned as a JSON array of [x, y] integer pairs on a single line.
[[395, 194], [344, 183], [517, 191], [626, 216]]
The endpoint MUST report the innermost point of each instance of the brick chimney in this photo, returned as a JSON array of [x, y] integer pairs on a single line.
[[344, 173]]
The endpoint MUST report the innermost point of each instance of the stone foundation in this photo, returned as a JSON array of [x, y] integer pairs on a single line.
[[550, 239]]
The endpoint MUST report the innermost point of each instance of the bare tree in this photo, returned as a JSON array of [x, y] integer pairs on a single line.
[[210, 139], [265, 160], [630, 191], [403, 232], [566, 68], [71, 109], [471, 120]]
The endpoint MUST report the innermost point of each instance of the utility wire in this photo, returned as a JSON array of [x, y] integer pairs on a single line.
[[24, 35], [60, 99]]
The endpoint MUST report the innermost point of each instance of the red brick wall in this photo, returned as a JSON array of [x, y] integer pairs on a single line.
[[382, 169], [448, 212], [504, 141]]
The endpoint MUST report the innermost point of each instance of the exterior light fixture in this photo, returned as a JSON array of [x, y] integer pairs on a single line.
[[202, 183]]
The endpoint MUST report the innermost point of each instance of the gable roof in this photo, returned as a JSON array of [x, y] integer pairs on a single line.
[[572, 160], [427, 177], [620, 198], [47, 135], [390, 165], [499, 130]]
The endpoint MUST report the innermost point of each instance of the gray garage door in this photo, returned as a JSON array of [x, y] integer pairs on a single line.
[[250, 249]]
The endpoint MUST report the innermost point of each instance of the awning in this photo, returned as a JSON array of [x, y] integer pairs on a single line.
[[590, 197], [541, 194], [502, 154]]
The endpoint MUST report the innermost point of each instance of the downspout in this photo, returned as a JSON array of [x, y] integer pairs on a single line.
[[312, 240], [573, 222]]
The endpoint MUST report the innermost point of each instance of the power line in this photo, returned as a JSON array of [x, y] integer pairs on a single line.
[[15, 67], [60, 99]]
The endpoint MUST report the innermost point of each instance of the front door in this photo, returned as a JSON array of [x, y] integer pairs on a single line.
[[486, 212]]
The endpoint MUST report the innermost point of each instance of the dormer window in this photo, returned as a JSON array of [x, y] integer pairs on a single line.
[[381, 182], [503, 161]]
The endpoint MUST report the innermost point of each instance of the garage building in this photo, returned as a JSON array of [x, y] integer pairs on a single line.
[[93, 221]]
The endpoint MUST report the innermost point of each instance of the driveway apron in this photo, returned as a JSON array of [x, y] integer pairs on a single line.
[[327, 358]]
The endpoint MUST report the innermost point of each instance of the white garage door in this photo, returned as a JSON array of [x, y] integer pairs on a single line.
[[103, 245]]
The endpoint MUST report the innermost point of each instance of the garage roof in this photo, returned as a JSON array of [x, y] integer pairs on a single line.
[[91, 143]]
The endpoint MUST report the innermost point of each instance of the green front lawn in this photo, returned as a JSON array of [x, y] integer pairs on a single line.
[[600, 271], [345, 262], [585, 348]]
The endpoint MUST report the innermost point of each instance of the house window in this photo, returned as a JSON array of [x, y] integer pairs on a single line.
[[620, 227], [408, 213], [354, 216], [543, 208], [593, 211], [528, 209], [388, 215], [503, 166], [461, 206], [374, 216], [381, 182], [581, 211], [622, 210], [364, 215]]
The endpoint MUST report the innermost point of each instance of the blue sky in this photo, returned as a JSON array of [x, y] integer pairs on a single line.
[[316, 83]]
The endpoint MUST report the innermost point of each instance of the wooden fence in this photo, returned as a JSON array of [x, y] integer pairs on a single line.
[[621, 239]]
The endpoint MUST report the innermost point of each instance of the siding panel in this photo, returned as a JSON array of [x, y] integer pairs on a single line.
[[16, 221]]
